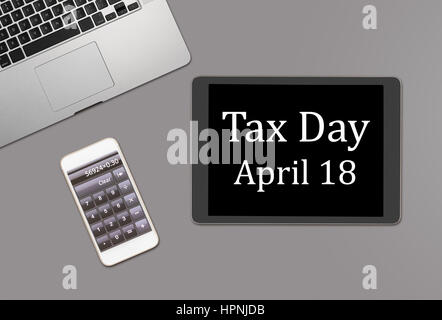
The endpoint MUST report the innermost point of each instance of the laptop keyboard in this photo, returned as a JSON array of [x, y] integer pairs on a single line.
[[28, 27]]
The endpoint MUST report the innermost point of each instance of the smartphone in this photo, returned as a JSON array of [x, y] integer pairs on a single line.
[[109, 202]]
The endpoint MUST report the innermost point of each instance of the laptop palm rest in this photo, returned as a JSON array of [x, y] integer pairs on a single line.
[[75, 76]]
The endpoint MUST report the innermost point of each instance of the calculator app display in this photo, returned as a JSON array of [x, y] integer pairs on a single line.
[[109, 201]]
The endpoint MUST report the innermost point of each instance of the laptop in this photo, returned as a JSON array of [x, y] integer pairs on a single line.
[[58, 57]]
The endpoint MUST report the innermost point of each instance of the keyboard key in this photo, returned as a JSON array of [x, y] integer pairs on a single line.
[[90, 8], [79, 3], [86, 203], [118, 205], [124, 218], [133, 6], [99, 198], [13, 30], [111, 16], [112, 192], [3, 34], [28, 10], [92, 216], [68, 5], [4, 61], [105, 211], [120, 174], [120, 8], [7, 7], [116, 237], [104, 242], [6, 20], [111, 224], [142, 227], [50, 3], [24, 38], [79, 13], [51, 40], [3, 47], [112, 2], [12, 43], [47, 15], [34, 33], [57, 23], [68, 18], [17, 55], [103, 181], [98, 229], [129, 232], [16, 15], [98, 19], [101, 4], [24, 25], [18, 3], [35, 20], [86, 24], [131, 200], [46, 28], [58, 10], [136, 213], [39, 5], [125, 187]]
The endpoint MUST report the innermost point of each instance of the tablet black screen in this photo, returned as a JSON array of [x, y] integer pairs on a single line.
[[346, 103]]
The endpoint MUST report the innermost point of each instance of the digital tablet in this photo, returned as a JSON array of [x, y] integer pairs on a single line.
[[296, 150]]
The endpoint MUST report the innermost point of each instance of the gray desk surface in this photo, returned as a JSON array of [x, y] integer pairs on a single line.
[[42, 230]]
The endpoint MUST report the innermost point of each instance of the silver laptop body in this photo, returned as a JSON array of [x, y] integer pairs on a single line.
[[99, 51]]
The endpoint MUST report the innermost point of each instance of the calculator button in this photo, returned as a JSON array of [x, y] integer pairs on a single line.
[[104, 242], [112, 192], [94, 185], [120, 174], [118, 205], [100, 198], [131, 200], [130, 232], [98, 229], [116, 237], [142, 226], [125, 187], [92, 216], [111, 224], [87, 203], [105, 211], [136, 213], [123, 218]]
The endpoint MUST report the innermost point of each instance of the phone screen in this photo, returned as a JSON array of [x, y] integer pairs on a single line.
[[109, 201]]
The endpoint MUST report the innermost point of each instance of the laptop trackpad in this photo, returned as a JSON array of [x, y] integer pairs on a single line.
[[74, 76]]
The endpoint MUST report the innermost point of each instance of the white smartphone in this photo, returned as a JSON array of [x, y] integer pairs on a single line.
[[109, 202]]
